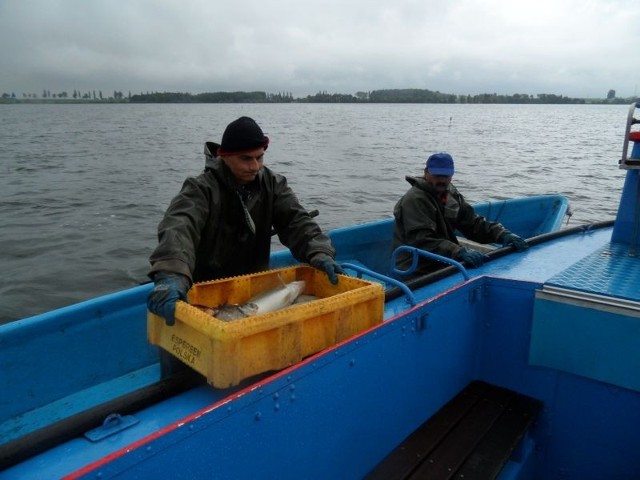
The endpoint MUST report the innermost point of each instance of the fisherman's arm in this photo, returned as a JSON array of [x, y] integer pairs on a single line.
[[477, 228], [173, 261], [180, 231], [300, 233]]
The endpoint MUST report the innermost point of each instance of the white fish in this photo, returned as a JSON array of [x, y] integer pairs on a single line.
[[304, 298], [265, 302], [278, 298]]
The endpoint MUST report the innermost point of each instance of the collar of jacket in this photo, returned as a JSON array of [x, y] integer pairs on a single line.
[[225, 177], [422, 184]]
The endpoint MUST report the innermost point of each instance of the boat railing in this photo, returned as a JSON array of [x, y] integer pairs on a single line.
[[630, 162], [429, 278], [415, 254], [360, 270]]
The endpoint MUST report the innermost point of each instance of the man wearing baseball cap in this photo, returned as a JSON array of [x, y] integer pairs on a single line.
[[431, 211], [221, 222]]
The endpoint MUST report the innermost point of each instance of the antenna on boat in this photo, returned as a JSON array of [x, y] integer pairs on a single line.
[[625, 230], [630, 162]]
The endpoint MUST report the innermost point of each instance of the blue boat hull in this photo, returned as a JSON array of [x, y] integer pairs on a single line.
[[337, 413]]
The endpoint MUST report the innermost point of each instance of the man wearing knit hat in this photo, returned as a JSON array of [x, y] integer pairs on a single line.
[[428, 215], [220, 223]]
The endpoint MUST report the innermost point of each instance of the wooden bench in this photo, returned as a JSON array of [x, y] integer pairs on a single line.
[[472, 436]]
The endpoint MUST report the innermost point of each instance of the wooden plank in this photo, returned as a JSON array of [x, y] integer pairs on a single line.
[[471, 436], [488, 459], [461, 441], [407, 457]]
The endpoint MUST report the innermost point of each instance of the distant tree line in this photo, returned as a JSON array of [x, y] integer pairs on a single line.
[[407, 95], [210, 97], [64, 97]]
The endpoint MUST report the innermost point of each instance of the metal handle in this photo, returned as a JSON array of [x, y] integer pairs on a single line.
[[407, 292], [415, 253]]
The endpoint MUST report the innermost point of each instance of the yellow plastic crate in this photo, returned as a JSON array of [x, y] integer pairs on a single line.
[[228, 352]]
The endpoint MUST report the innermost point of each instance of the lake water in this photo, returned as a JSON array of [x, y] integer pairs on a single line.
[[83, 187]]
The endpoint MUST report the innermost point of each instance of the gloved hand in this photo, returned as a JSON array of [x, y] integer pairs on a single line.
[[518, 243], [471, 257], [324, 262], [168, 289]]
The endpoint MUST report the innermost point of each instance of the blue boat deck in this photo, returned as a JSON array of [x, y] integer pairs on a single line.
[[611, 270]]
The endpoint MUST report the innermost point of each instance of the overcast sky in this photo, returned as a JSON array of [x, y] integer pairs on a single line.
[[577, 48]]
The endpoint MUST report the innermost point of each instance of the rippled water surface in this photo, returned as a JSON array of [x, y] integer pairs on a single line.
[[83, 187]]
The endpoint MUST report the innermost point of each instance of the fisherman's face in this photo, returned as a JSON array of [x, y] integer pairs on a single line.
[[439, 182], [245, 166]]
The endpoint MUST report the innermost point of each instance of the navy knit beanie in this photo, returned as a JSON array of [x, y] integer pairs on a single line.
[[241, 136]]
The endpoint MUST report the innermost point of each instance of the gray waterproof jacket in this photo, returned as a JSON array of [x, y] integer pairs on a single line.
[[214, 229], [422, 221]]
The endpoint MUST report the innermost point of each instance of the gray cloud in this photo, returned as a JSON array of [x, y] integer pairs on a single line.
[[574, 48]]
